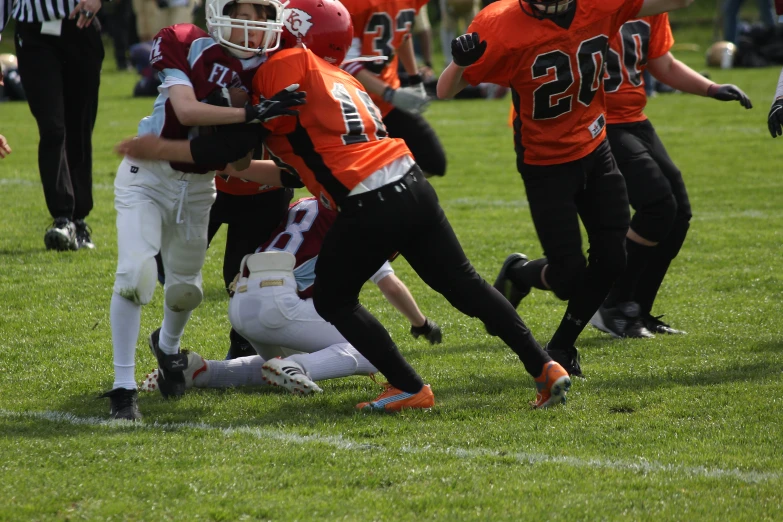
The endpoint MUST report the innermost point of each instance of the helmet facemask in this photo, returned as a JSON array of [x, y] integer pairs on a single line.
[[221, 24], [542, 9]]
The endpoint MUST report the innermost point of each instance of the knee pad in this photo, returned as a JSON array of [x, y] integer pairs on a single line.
[[564, 276], [654, 221], [183, 297], [137, 281]]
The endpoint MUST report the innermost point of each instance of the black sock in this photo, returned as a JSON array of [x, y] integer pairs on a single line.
[[528, 275], [625, 285]]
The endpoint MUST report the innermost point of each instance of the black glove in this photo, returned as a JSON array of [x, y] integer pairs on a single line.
[[277, 105], [728, 92], [466, 49], [775, 119], [430, 330]]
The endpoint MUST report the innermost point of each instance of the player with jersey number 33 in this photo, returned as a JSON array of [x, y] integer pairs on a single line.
[[552, 54]]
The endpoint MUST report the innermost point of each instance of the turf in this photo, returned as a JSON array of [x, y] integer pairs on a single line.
[[672, 428]]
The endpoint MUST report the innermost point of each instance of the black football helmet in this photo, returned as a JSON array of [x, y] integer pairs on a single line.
[[548, 8]]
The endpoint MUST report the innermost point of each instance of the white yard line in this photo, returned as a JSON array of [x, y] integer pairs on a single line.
[[640, 465]]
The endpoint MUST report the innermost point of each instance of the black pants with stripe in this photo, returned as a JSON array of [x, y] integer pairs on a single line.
[[405, 217], [61, 76]]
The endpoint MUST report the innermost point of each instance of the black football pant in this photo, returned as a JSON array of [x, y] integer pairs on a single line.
[[657, 193], [251, 220], [61, 76], [420, 138], [590, 188], [405, 217]]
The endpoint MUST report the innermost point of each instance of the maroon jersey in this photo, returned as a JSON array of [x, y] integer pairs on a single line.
[[186, 55], [302, 234]]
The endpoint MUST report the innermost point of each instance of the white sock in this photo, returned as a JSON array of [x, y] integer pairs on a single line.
[[338, 360], [172, 328], [125, 319], [242, 371]]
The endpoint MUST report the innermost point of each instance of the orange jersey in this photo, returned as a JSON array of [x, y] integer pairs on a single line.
[[556, 74], [338, 139], [637, 41], [379, 28]]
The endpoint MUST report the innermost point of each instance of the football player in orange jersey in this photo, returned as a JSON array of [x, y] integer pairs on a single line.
[[383, 28], [339, 147], [552, 54], [656, 189]]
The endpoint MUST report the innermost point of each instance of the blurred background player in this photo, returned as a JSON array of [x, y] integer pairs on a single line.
[[164, 206], [383, 28], [775, 118], [272, 306], [339, 148], [655, 186], [552, 54]]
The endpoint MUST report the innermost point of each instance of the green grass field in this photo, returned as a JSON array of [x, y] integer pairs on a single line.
[[673, 428]]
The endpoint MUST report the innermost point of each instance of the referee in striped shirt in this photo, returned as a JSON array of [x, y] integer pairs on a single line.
[[60, 52]]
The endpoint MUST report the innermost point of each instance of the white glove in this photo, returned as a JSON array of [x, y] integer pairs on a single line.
[[408, 99]]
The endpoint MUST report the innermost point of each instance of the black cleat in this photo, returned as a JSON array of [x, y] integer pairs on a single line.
[[61, 235], [171, 369], [430, 330], [621, 321], [656, 326], [239, 347], [568, 359], [83, 231], [505, 286], [124, 404]]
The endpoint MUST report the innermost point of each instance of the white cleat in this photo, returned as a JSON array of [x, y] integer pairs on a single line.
[[289, 375], [196, 366]]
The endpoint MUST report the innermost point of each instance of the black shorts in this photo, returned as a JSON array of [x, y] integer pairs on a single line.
[[650, 174]]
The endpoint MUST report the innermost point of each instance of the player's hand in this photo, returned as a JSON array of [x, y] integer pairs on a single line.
[[467, 49], [86, 10], [5, 149], [430, 330], [415, 81], [147, 147], [775, 119], [408, 99], [276, 106], [728, 92]]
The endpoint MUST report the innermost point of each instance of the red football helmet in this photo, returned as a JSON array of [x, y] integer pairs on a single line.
[[323, 26]]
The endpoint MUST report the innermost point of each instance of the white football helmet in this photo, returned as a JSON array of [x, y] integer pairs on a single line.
[[220, 25]]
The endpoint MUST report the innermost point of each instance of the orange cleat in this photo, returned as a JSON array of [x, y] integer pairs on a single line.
[[552, 386], [393, 399]]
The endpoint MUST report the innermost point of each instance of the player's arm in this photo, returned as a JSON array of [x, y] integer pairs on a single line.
[[192, 113], [654, 7], [676, 74], [465, 50], [775, 118], [5, 149], [395, 291]]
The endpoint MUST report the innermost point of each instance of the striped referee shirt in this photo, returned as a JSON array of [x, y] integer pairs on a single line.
[[35, 10]]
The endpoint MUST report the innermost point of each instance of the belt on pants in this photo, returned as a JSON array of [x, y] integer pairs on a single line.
[[410, 178]]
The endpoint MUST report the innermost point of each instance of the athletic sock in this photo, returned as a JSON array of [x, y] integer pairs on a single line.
[[125, 319], [171, 330], [242, 371], [625, 285], [528, 275]]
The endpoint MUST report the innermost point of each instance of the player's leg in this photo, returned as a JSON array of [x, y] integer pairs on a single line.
[[138, 239], [650, 194], [603, 207], [420, 138], [663, 254], [362, 237], [183, 252]]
